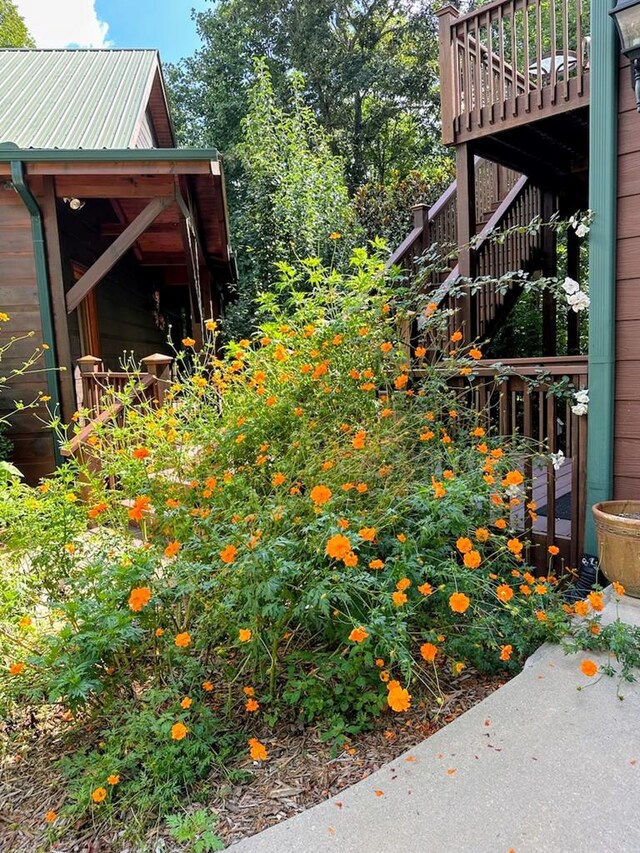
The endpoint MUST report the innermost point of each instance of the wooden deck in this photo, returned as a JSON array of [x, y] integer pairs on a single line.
[[510, 63]]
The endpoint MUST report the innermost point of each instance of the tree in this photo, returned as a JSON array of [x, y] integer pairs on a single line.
[[370, 70], [13, 30], [293, 202]]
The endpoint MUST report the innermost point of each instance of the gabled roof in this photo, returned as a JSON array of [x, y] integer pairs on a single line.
[[80, 98]]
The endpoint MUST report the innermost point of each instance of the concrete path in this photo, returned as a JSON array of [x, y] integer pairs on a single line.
[[540, 767]]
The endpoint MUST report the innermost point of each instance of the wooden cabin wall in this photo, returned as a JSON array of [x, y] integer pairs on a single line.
[[627, 393], [125, 302], [33, 445]]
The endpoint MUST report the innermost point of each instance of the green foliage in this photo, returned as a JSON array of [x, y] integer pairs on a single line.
[[194, 829], [13, 32]]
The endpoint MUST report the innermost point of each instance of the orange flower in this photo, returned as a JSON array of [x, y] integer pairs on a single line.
[[506, 652], [358, 635], [172, 549], [244, 635], [482, 534], [172, 503], [207, 686], [400, 381], [228, 554], [459, 602], [504, 592], [183, 640], [367, 533], [188, 342], [257, 750], [50, 816], [541, 616], [541, 589], [343, 524], [464, 545], [16, 668], [359, 439], [399, 598], [179, 731], [99, 795], [95, 510], [525, 590], [401, 537], [420, 352], [553, 550], [500, 523], [428, 651], [456, 337], [513, 478], [376, 564], [589, 668], [140, 453], [478, 432], [350, 560], [251, 705], [439, 490], [515, 546], [141, 505], [139, 598], [338, 546], [618, 588], [403, 583], [474, 352], [186, 703], [114, 779], [425, 589], [320, 495], [386, 347], [278, 479], [398, 698], [581, 608], [596, 601], [427, 435], [472, 560]]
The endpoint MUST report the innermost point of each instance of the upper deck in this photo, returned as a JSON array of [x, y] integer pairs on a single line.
[[511, 63]]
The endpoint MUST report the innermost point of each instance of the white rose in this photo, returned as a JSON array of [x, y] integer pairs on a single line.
[[570, 286], [580, 409], [582, 230], [582, 396], [557, 460], [578, 301]]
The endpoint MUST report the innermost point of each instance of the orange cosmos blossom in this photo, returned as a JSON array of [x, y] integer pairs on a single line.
[[207, 686], [16, 668], [553, 550], [141, 505], [500, 523], [257, 750], [504, 592], [386, 347], [139, 598], [403, 583], [186, 703], [618, 588], [278, 479], [350, 559], [359, 439], [228, 554], [515, 546], [512, 478], [464, 545], [50, 816], [244, 635], [95, 510], [420, 352], [456, 336], [400, 381], [99, 795], [188, 342], [114, 779], [367, 533], [358, 635], [320, 495], [172, 549], [338, 547], [251, 705], [179, 731], [399, 598], [183, 640], [398, 698], [482, 534], [439, 490], [589, 668], [459, 602], [506, 652], [581, 608], [472, 559], [425, 589], [428, 651], [474, 352], [596, 600], [140, 453]]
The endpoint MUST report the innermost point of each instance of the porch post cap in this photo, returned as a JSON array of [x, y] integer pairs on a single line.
[[448, 10], [157, 358]]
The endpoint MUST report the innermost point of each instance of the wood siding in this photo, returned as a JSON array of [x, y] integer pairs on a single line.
[[627, 394], [33, 445]]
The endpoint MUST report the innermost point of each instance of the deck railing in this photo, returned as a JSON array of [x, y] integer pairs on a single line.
[[508, 59], [520, 403]]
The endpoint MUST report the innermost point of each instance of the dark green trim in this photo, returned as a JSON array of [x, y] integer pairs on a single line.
[[101, 155], [603, 163], [42, 282]]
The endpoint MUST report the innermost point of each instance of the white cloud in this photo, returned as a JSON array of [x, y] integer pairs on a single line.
[[64, 23]]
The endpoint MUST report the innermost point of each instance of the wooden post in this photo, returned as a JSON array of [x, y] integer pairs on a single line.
[[89, 364], [549, 319], [421, 220], [159, 365], [447, 16], [466, 212], [573, 271]]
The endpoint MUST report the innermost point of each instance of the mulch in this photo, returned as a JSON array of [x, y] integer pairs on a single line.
[[302, 771]]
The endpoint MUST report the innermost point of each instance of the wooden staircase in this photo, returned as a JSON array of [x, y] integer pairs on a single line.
[[504, 200]]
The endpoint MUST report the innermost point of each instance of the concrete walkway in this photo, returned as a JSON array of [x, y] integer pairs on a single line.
[[540, 767]]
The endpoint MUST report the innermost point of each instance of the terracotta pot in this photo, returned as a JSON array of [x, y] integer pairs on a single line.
[[619, 543]]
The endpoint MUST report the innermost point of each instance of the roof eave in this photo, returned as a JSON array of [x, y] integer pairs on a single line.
[[88, 155]]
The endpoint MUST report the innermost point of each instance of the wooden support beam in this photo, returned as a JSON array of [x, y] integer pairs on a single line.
[[466, 212], [573, 271], [114, 186], [550, 264], [116, 250]]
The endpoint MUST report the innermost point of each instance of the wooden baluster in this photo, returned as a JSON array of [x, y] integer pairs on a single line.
[[514, 61], [582, 481], [538, 14], [553, 52], [528, 462], [525, 37], [490, 71], [478, 75], [447, 17], [552, 441], [502, 90], [565, 47], [573, 271], [89, 365], [159, 365], [580, 49], [466, 208]]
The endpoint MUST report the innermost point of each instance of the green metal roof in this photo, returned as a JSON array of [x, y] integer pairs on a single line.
[[73, 98]]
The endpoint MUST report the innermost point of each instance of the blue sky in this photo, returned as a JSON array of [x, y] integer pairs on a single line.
[[165, 24]]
